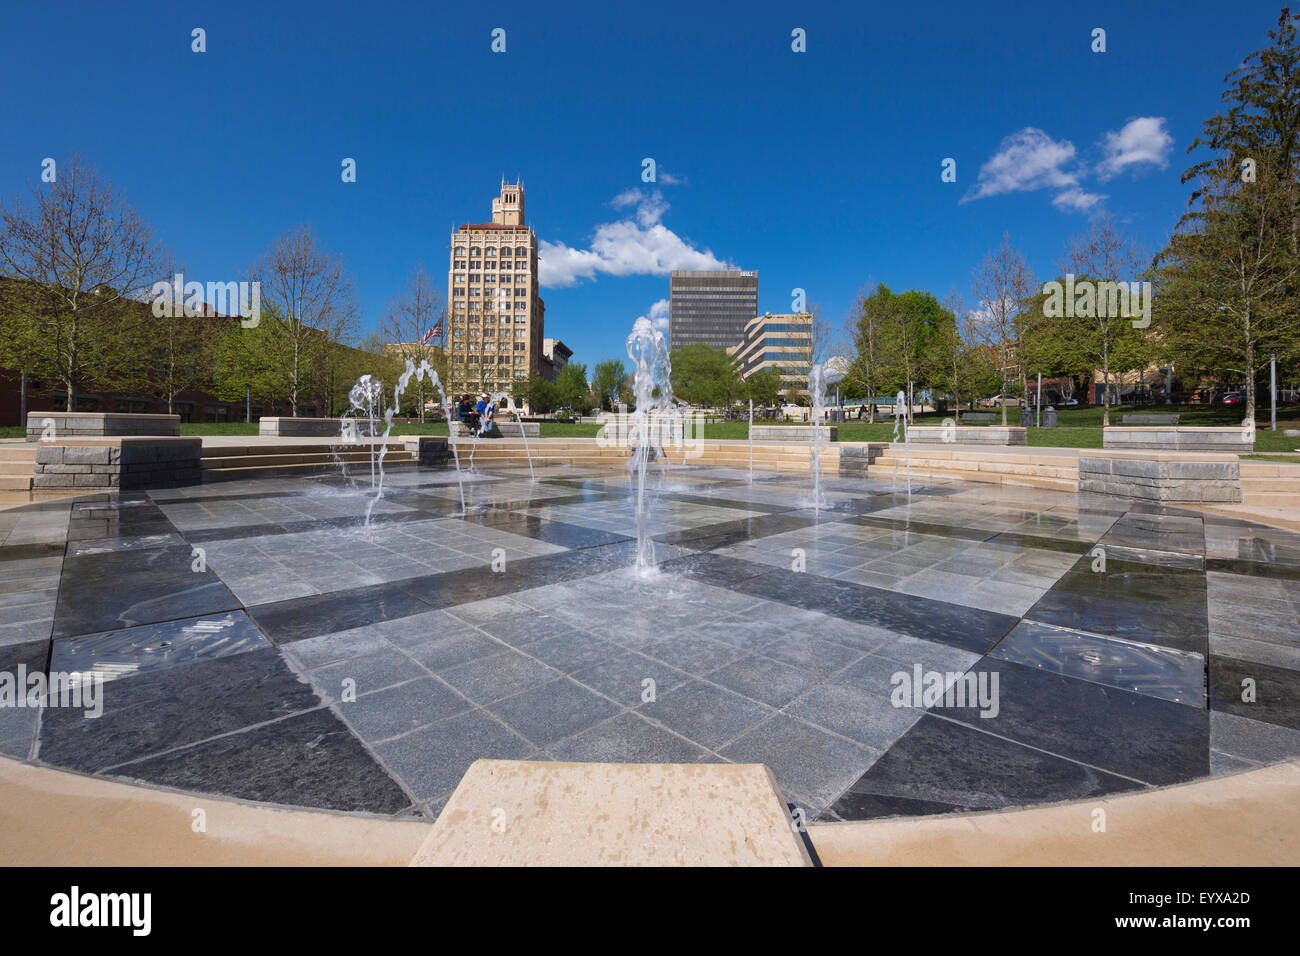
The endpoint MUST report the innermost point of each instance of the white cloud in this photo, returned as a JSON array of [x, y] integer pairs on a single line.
[[658, 315], [1026, 161], [1077, 200], [1142, 140], [637, 245]]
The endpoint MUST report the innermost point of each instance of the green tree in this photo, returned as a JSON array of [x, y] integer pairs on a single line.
[[607, 380], [764, 387], [571, 386], [704, 375], [1227, 280], [537, 393]]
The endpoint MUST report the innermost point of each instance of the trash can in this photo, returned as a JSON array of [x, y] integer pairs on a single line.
[[1049, 417], [1026, 416]]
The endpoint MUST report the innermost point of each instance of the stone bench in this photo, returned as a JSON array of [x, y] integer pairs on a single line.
[[1142, 419], [1230, 439], [283, 427], [505, 428], [801, 433], [1161, 477], [117, 464], [857, 457], [977, 416], [1006, 435], [431, 451], [58, 425]]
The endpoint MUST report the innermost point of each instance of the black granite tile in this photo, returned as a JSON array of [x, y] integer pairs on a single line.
[[316, 614], [714, 569], [1041, 542], [171, 708], [923, 527], [1141, 668], [762, 507], [1259, 569], [1132, 600], [551, 532], [1146, 738], [309, 760], [942, 767], [969, 628], [134, 650], [725, 533], [1276, 691], [103, 592], [30, 654]]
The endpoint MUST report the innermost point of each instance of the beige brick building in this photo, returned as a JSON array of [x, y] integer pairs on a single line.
[[494, 311], [784, 342]]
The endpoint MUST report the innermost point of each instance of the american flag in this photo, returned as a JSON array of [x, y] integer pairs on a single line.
[[432, 333]]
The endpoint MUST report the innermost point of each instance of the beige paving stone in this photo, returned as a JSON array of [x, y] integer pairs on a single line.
[[535, 813]]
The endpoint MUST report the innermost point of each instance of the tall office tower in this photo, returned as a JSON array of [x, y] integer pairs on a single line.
[[494, 312], [711, 307]]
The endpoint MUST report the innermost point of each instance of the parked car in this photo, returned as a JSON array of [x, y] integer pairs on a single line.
[[1233, 398], [996, 401], [1068, 402]]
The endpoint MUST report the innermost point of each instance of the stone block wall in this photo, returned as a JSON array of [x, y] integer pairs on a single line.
[[1231, 440], [100, 425], [1161, 479], [856, 457], [125, 464], [285, 427], [1004, 435], [801, 433]]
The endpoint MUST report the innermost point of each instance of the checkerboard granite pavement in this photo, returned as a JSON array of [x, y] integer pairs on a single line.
[[259, 642]]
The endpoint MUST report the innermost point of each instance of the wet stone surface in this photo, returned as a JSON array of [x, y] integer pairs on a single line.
[[957, 649]]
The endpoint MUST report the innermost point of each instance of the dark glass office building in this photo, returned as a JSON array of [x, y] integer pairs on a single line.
[[711, 307]]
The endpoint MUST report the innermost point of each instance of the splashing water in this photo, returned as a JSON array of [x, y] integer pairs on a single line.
[[900, 421], [365, 398], [648, 350], [816, 438], [751, 441]]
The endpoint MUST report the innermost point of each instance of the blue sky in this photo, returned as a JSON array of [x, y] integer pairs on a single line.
[[819, 169]]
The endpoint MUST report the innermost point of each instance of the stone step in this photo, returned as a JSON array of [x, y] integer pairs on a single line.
[[277, 471], [16, 482], [351, 458], [1271, 499], [1252, 484], [1037, 469], [878, 472]]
